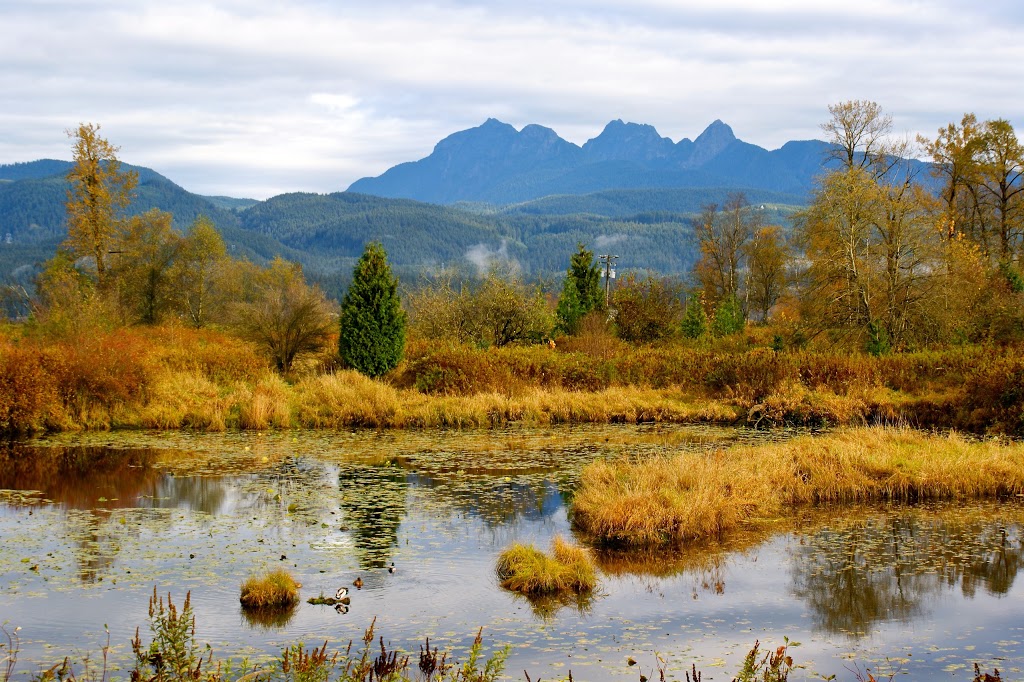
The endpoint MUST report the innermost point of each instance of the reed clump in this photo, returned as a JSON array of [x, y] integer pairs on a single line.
[[692, 496], [528, 570], [276, 589]]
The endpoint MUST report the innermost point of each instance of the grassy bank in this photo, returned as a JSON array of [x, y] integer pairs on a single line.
[[690, 496], [172, 378]]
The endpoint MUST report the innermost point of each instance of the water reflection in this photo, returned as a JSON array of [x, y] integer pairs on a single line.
[[88, 477], [373, 501], [205, 517], [856, 572], [268, 619]]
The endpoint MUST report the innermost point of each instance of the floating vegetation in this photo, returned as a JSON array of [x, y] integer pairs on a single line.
[[340, 597], [276, 589]]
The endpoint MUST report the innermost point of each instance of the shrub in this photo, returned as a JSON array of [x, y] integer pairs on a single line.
[[27, 391], [646, 310], [276, 589]]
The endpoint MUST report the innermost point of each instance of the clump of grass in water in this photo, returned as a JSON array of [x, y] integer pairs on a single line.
[[693, 496], [276, 589], [528, 570]]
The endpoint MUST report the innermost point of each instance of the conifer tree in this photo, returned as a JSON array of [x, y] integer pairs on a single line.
[[587, 278], [695, 319], [372, 321], [728, 317], [570, 310], [581, 291]]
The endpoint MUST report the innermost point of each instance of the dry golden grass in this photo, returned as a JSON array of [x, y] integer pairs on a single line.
[[276, 589], [528, 570], [691, 496], [266, 405], [174, 377]]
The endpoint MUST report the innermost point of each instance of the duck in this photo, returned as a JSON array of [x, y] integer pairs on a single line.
[[341, 608], [391, 568], [358, 582], [341, 594]]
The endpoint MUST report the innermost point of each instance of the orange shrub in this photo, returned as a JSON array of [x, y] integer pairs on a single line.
[[27, 389]]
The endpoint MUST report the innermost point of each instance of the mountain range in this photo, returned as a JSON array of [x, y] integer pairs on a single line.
[[494, 163], [486, 194]]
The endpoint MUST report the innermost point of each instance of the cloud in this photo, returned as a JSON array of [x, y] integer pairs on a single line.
[[256, 98], [484, 258], [604, 241]]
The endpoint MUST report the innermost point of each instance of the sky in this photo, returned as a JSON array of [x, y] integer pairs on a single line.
[[253, 98]]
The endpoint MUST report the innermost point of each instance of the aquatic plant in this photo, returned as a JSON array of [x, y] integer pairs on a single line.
[[275, 589], [528, 570], [173, 653], [299, 664], [773, 666]]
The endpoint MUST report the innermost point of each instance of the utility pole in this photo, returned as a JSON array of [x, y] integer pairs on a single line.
[[609, 273]]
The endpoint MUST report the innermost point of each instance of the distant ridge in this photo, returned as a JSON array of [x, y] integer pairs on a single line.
[[494, 163]]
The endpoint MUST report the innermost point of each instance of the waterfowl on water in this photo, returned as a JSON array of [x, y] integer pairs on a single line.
[[341, 608], [391, 568], [358, 582], [342, 593]]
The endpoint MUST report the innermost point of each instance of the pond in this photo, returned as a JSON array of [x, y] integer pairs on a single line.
[[91, 524]]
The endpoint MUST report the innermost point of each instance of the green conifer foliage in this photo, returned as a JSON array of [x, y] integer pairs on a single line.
[[728, 317], [372, 322], [587, 278], [570, 310], [695, 320], [581, 291]]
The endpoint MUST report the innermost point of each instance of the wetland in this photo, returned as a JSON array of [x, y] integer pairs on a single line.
[[91, 523]]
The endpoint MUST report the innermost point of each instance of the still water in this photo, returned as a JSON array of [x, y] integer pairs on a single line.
[[90, 525]]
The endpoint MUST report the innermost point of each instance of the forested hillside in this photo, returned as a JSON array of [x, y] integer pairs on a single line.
[[649, 229]]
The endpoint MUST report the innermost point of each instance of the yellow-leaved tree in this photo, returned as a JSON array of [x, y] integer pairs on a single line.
[[99, 193]]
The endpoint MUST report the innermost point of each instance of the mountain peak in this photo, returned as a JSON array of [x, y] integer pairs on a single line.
[[628, 142], [711, 142]]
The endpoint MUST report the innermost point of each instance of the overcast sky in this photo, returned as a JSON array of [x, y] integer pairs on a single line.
[[254, 98]]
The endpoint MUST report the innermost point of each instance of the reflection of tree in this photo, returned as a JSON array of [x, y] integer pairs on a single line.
[[87, 482], [373, 501], [854, 573], [78, 477]]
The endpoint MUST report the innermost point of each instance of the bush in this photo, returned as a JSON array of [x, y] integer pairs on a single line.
[[646, 310], [496, 311]]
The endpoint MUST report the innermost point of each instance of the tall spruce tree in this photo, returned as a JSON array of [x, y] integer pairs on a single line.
[[581, 291], [372, 321], [587, 278]]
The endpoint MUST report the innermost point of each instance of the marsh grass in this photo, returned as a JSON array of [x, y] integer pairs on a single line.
[[274, 590], [691, 496], [528, 570], [171, 377]]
